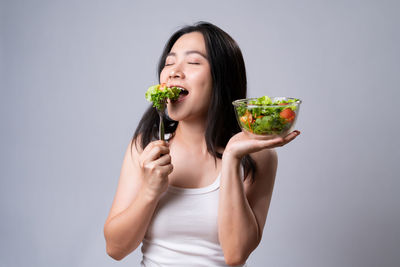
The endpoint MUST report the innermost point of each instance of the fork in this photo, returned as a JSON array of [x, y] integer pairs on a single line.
[[161, 130]]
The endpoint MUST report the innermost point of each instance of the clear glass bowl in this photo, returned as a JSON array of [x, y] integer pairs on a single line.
[[267, 121]]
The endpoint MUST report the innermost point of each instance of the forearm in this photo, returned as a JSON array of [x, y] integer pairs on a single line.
[[125, 231], [237, 226]]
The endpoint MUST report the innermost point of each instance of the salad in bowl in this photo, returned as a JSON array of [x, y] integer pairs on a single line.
[[267, 117]]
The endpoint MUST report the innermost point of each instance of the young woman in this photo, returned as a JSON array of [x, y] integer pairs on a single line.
[[202, 197]]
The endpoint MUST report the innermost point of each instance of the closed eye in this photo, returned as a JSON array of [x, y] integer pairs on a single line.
[[194, 63]]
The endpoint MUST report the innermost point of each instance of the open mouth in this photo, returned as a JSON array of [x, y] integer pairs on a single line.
[[183, 93]]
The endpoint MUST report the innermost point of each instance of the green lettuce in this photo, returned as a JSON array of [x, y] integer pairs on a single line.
[[159, 94]]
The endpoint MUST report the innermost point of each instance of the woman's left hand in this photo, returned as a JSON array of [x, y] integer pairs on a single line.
[[240, 144]]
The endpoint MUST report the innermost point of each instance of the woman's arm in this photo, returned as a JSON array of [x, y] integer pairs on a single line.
[[143, 178], [243, 207]]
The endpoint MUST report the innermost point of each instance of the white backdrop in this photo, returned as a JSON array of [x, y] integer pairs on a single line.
[[73, 77]]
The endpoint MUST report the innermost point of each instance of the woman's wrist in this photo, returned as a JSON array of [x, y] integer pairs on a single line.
[[230, 157], [149, 195]]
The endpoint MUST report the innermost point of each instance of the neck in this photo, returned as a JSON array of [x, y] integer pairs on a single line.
[[192, 135]]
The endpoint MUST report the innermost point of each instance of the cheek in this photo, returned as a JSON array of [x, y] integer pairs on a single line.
[[207, 85], [202, 79], [205, 94], [163, 76], [207, 79]]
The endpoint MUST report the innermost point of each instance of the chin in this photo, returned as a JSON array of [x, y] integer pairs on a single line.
[[174, 114], [173, 118], [181, 113]]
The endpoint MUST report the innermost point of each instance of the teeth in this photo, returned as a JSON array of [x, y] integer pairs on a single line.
[[183, 90]]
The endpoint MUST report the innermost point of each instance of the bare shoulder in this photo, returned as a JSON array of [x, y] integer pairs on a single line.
[[132, 152], [265, 156], [266, 162], [135, 144], [129, 180]]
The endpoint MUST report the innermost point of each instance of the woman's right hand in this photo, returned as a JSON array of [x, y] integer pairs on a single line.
[[155, 166]]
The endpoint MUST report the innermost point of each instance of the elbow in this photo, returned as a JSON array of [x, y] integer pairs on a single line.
[[235, 259], [234, 262], [114, 249], [116, 254], [236, 255]]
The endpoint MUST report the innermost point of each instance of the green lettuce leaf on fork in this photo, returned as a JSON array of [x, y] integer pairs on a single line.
[[158, 94]]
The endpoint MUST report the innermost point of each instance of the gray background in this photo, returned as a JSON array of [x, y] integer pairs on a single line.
[[73, 77]]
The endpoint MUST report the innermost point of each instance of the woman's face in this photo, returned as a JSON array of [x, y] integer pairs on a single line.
[[187, 66]]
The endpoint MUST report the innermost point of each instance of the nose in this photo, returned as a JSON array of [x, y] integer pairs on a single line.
[[175, 73]]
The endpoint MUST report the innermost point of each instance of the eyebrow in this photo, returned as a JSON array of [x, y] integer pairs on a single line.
[[188, 53]]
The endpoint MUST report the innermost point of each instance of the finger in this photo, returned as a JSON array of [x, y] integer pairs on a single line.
[[279, 141], [163, 160], [156, 152], [288, 138], [291, 136], [167, 169], [153, 144]]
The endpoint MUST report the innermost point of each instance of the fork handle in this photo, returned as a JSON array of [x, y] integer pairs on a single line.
[[161, 130]]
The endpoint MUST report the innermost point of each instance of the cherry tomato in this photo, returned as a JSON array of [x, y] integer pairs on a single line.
[[287, 114]]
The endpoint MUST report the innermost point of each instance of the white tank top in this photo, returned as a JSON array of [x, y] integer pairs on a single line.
[[184, 229]]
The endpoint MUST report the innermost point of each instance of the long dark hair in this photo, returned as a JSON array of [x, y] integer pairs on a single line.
[[228, 74]]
